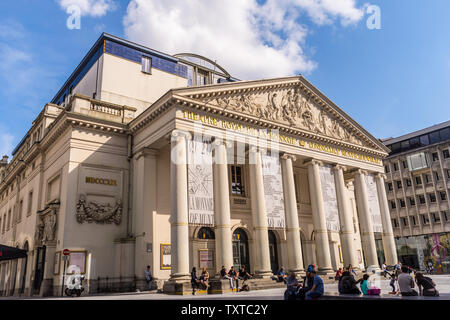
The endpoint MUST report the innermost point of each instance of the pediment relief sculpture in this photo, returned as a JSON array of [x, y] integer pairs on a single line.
[[101, 213], [288, 106]]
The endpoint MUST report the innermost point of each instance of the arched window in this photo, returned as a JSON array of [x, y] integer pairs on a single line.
[[239, 235], [206, 233]]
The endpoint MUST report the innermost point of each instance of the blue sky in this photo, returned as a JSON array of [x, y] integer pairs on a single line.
[[392, 81]]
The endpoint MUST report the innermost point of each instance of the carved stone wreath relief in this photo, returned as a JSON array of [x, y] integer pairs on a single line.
[[291, 107], [93, 211]]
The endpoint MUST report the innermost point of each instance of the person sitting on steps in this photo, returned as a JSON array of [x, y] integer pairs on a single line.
[[204, 278], [347, 285]]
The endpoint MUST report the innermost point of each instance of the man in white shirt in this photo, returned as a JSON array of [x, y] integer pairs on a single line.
[[406, 283]]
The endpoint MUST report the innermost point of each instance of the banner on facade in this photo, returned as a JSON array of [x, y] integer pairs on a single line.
[[200, 183], [374, 205], [273, 190], [330, 204]]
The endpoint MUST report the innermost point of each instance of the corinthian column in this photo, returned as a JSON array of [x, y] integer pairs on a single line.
[[390, 251], [259, 215], [295, 259], [179, 207], [367, 235], [345, 218], [318, 215], [224, 249]]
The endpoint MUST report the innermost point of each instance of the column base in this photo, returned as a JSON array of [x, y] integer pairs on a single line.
[[373, 269], [177, 288], [298, 272], [180, 277], [263, 274]]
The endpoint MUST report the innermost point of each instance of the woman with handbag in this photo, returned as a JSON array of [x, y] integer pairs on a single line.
[[426, 285]]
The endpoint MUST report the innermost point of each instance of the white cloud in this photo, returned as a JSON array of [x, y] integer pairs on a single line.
[[94, 8], [249, 39]]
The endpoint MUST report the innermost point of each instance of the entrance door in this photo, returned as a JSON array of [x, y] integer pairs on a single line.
[[240, 250], [39, 269], [273, 252]]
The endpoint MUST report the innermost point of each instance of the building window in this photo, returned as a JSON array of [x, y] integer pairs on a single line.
[[399, 184], [206, 233], [408, 182], [202, 77], [395, 166], [405, 164], [418, 181], [30, 202], [386, 169], [146, 64], [405, 222], [446, 154], [390, 187], [435, 156], [4, 223], [297, 194], [445, 216], [402, 203], [443, 195], [425, 219], [412, 202], [437, 176], [432, 197], [427, 178], [436, 217], [1, 223], [393, 205], [8, 225], [394, 223], [190, 74], [413, 221], [237, 185], [421, 199], [19, 218], [448, 174]]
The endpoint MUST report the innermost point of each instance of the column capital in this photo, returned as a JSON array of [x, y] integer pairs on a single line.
[[255, 149], [338, 167], [179, 133], [362, 172], [381, 176], [144, 152], [313, 162], [286, 156], [219, 141]]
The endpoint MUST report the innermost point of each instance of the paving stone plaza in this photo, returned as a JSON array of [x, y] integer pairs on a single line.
[[442, 282]]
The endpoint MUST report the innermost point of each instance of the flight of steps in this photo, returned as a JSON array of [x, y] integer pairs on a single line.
[[262, 284]]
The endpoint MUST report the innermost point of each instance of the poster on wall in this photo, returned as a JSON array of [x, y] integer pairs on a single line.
[[273, 190], [77, 259], [329, 197], [166, 256], [374, 206], [200, 183], [206, 259]]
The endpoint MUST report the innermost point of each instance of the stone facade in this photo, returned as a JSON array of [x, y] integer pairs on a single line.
[[112, 183]]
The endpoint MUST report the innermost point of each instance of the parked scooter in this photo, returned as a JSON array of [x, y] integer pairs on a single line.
[[77, 289]]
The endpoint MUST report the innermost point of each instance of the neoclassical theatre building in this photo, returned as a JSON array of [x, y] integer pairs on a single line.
[[144, 158]]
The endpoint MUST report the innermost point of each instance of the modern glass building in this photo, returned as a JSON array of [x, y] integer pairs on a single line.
[[417, 187]]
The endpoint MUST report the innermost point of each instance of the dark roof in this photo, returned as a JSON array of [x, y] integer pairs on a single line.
[[416, 133]]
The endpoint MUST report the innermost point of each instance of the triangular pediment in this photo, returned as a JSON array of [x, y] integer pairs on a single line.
[[292, 102]]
